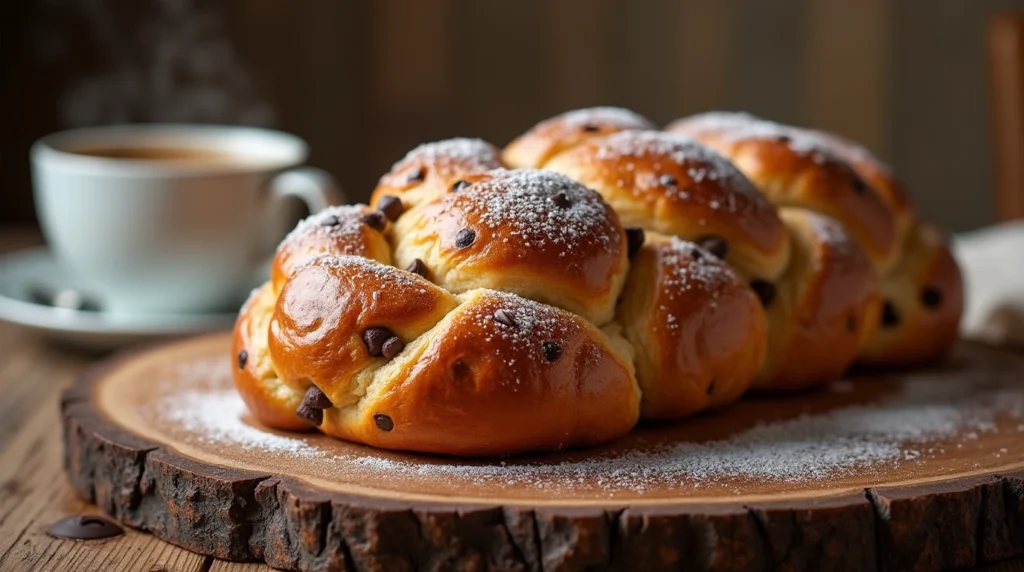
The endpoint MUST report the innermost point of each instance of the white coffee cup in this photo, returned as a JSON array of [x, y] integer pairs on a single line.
[[170, 218]]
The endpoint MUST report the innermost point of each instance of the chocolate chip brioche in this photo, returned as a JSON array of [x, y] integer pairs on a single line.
[[489, 325], [921, 285], [475, 310], [813, 282]]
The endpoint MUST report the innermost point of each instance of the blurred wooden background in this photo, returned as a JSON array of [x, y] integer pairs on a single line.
[[365, 81]]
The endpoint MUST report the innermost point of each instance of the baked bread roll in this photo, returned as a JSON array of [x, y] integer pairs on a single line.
[[535, 233], [881, 178], [552, 136], [922, 303], [673, 185], [823, 310], [698, 328], [794, 168], [749, 142], [350, 229], [268, 399], [370, 353], [429, 170]]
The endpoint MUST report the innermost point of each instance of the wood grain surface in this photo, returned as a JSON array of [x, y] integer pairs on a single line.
[[35, 492]]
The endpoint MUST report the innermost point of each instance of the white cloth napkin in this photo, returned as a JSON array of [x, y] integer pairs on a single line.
[[992, 262]]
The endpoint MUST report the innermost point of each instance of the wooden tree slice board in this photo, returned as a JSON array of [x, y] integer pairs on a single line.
[[915, 470]]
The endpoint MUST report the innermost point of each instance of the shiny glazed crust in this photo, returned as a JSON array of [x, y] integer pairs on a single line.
[[428, 171], [793, 168], [334, 231], [825, 308], [504, 230], [924, 298], [698, 329], [534, 148], [673, 185], [466, 382]]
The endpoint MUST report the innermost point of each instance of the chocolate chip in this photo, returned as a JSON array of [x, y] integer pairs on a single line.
[[890, 317], [634, 240], [668, 180], [711, 388], [716, 245], [696, 254], [931, 296], [465, 237], [552, 351], [417, 267], [764, 290], [243, 356], [391, 206], [851, 324], [384, 423], [311, 414], [460, 184], [417, 175], [392, 347], [590, 127], [315, 398], [561, 199], [374, 339], [375, 220], [859, 185], [330, 221], [85, 527], [783, 138], [504, 317]]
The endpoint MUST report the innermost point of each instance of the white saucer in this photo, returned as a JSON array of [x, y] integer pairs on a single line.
[[21, 272]]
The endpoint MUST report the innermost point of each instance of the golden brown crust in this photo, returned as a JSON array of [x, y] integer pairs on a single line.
[[429, 170], [698, 329], [269, 400], [881, 178], [923, 299], [322, 315], [538, 234], [543, 141], [825, 307], [793, 168], [476, 386], [671, 184], [335, 231]]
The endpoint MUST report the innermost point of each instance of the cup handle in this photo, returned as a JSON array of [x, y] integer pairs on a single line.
[[314, 187]]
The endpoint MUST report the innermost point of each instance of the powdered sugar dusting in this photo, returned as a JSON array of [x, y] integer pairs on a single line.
[[344, 221], [533, 321], [471, 154], [519, 204], [738, 126], [603, 116], [693, 266], [831, 232], [687, 266], [927, 415], [702, 164], [367, 267]]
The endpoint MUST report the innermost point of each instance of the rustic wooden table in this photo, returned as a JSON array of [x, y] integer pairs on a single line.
[[34, 491]]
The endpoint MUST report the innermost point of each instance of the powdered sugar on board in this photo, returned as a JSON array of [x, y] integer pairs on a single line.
[[930, 414]]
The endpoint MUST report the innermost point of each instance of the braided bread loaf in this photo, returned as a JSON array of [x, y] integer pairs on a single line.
[[640, 274]]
